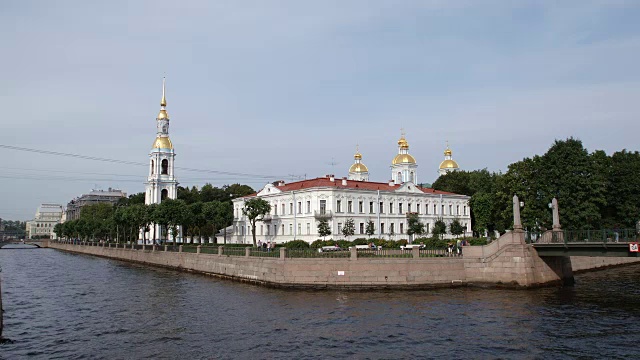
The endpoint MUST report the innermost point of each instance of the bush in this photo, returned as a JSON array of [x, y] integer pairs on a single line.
[[476, 241], [360, 241], [296, 244]]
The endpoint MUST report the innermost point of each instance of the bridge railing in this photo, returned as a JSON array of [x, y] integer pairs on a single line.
[[583, 236]]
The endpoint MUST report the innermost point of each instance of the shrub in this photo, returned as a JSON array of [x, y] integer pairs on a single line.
[[476, 241], [296, 244], [360, 241]]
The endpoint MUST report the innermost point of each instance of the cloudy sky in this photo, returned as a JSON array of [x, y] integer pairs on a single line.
[[282, 89]]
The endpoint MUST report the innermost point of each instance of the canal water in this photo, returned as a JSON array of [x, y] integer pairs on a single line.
[[66, 306]]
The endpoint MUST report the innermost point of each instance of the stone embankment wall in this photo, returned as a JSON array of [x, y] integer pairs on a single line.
[[507, 261]]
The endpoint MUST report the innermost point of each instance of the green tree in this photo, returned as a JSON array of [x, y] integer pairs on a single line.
[[371, 228], [623, 190], [236, 190], [439, 228], [455, 228], [349, 228], [324, 229], [254, 209], [414, 226]]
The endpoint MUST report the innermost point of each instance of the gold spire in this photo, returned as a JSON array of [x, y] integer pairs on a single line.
[[447, 151], [357, 156], [163, 102], [403, 142]]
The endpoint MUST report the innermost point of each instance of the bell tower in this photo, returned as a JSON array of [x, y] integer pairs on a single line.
[[161, 182], [404, 167]]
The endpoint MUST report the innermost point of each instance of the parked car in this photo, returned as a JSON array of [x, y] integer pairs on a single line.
[[329, 248], [411, 246], [364, 247]]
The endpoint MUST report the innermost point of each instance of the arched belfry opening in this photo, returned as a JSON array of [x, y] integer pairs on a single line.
[[164, 194], [165, 167]]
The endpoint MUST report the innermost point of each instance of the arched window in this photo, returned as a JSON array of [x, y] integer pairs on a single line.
[[152, 170], [399, 177], [164, 194], [412, 179], [165, 166]]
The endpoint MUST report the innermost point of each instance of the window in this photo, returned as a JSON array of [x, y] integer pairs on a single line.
[[400, 208], [282, 208], [417, 208], [426, 226], [450, 209], [308, 228], [360, 207], [299, 207], [299, 229], [152, 169], [435, 209], [401, 228], [163, 194], [260, 229], [339, 206], [290, 208], [350, 206], [339, 228], [391, 228], [323, 206], [371, 211], [290, 229], [236, 230], [382, 228], [308, 207], [165, 166], [441, 209], [409, 208], [268, 227], [457, 209], [282, 225], [412, 177], [361, 228], [381, 208], [464, 210], [275, 209], [390, 208]]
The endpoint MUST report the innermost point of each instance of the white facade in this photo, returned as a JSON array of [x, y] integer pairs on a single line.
[[297, 208], [161, 181], [47, 216]]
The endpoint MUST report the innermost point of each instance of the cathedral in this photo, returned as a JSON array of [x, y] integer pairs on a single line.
[[161, 181], [298, 207]]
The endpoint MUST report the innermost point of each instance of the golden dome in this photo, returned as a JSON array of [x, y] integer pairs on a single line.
[[403, 159], [162, 115], [449, 164], [358, 168], [403, 143], [162, 142], [357, 156], [447, 152]]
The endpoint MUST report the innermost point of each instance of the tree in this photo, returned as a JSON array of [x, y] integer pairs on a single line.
[[414, 226], [455, 228], [254, 208], [324, 229], [236, 190], [349, 228], [439, 228], [371, 228]]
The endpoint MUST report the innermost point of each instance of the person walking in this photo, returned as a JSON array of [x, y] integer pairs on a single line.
[[459, 247]]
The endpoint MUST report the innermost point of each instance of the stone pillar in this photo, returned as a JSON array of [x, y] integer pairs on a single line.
[[415, 251], [166, 248], [283, 253], [198, 248], [116, 245], [517, 223], [354, 253], [556, 215], [220, 250], [247, 251], [180, 248], [153, 247]]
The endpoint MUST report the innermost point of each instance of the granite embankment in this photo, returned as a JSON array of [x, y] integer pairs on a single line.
[[506, 262]]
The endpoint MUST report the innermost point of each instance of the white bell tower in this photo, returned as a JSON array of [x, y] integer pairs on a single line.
[[161, 182]]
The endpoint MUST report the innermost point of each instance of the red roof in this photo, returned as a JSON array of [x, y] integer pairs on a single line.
[[351, 184]]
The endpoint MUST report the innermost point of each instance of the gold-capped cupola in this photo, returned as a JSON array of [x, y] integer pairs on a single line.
[[162, 140], [448, 164], [163, 104], [358, 171]]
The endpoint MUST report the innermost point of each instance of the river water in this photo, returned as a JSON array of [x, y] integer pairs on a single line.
[[67, 306]]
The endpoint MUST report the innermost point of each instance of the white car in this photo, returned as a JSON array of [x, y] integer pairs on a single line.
[[329, 248]]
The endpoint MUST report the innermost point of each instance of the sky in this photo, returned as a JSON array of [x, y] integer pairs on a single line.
[[282, 90]]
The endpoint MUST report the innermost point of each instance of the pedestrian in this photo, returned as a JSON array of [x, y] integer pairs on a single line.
[[269, 246], [459, 247], [259, 243]]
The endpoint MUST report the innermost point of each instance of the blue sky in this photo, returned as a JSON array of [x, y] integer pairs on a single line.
[[280, 88]]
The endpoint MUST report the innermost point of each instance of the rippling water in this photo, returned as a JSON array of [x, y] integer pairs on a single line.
[[66, 306]]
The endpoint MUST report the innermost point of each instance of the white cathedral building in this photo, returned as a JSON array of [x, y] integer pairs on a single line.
[[161, 181], [298, 207]]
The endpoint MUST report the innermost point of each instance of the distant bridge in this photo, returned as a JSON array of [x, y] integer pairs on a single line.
[[40, 243], [613, 243]]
